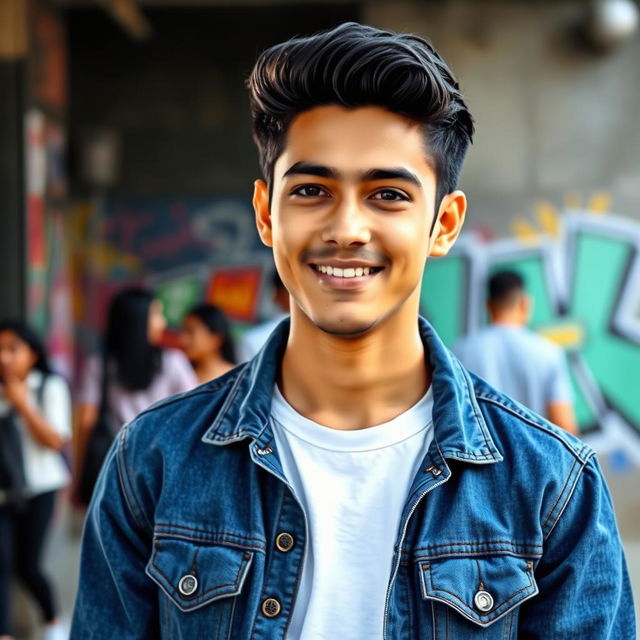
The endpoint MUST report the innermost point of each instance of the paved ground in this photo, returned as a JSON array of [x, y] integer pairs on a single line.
[[62, 555]]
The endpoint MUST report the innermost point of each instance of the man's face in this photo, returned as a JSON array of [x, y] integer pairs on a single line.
[[352, 207]]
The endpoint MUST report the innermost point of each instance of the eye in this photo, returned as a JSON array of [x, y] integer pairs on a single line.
[[390, 195], [309, 191]]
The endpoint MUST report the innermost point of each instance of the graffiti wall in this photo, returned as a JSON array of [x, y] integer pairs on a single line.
[[584, 278], [188, 250], [48, 276]]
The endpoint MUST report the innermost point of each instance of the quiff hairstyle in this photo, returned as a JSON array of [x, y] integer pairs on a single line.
[[354, 65]]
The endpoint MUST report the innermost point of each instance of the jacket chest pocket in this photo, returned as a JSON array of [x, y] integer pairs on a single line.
[[199, 586], [476, 597]]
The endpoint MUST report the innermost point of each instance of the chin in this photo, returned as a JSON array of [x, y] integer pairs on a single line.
[[345, 328]]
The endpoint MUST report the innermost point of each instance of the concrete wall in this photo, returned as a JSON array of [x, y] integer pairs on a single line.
[[552, 118]]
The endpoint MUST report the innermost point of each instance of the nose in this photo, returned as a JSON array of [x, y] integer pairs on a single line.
[[347, 225]]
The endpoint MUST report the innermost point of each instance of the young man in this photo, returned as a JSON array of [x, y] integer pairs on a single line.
[[514, 359], [352, 481]]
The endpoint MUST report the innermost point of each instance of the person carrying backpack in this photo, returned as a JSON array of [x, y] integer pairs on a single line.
[[35, 425]]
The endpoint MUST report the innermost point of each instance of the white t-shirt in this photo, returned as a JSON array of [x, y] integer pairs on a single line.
[[44, 468], [353, 486]]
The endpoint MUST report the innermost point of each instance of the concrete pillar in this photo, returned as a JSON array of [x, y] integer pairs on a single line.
[[13, 53]]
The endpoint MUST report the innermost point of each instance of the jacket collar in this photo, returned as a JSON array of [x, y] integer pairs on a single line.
[[460, 429]]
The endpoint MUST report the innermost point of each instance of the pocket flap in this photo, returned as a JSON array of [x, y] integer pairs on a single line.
[[193, 574], [481, 589]]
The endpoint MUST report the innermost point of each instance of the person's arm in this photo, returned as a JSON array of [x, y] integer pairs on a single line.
[[115, 597], [86, 410], [559, 395], [34, 418], [582, 576], [561, 413]]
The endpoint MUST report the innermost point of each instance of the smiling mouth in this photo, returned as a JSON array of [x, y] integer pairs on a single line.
[[347, 272]]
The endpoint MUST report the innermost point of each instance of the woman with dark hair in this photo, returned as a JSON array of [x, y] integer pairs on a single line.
[[35, 404], [139, 371], [206, 340]]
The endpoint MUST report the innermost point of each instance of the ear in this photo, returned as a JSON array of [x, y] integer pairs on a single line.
[[261, 208], [448, 224]]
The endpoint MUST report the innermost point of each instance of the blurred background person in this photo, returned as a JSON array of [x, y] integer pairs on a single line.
[[205, 338], [36, 403], [514, 359], [252, 341], [138, 370]]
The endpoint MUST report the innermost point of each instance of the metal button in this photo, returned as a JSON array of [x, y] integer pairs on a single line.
[[436, 472], [483, 601], [264, 452], [284, 542], [271, 607], [188, 585]]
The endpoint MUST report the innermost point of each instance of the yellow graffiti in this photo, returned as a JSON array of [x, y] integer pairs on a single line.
[[600, 203], [567, 336], [548, 218], [524, 231]]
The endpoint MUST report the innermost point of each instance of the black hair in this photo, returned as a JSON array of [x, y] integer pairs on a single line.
[[28, 335], [504, 285], [137, 361], [215, 320], [354, 65]]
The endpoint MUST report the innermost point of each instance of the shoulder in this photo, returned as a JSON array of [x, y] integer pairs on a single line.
[[513, 424], [181, 419], [160, 452], [474, 338], [52, 386], [542, 465], [54, 383], [542, 346], [173, 356]]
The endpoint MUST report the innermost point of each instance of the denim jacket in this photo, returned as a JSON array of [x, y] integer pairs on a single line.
[[508, 530]]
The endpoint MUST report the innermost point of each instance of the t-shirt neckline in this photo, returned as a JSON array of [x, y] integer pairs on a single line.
[[411, 422]]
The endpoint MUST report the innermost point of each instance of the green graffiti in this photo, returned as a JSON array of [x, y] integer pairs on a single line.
[[576, 284]]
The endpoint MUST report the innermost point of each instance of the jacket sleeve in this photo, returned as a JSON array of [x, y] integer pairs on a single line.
[[585, 593], [115, 598]]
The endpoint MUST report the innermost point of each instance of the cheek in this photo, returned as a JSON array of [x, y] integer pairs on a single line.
[[23, 361], [407, 244], [289, 241]]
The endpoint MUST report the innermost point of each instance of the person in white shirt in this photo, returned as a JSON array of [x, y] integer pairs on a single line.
[[253, 339], [514, 359], [38, 403]]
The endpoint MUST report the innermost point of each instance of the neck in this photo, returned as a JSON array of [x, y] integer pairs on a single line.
[[357, 382], [507, 317], [211, 368]]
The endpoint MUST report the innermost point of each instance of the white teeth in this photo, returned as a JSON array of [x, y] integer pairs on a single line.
[[351, 272]]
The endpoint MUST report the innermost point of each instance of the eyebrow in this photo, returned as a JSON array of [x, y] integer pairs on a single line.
[[309, 169], [395, 173], [322, 171]]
